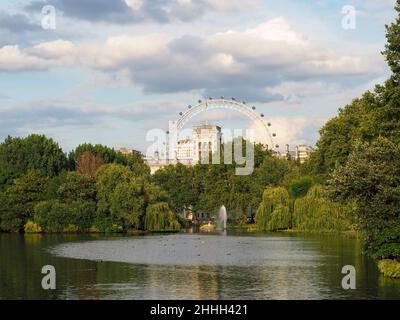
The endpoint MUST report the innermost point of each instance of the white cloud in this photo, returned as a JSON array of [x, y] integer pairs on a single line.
[[252, 64], [287, 130], [12, 59], [134, 4], [234, 5]]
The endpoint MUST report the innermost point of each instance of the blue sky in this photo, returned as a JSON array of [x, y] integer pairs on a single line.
[[112, 70]]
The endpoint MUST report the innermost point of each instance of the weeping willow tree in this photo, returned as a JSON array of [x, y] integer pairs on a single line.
[[315, 212], [274, 211], [159, 217]]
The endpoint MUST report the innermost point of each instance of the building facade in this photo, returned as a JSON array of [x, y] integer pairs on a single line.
[[206, 140]]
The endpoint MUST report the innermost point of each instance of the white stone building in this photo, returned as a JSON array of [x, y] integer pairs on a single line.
[[184, 150], [206, 139], [302, 153]]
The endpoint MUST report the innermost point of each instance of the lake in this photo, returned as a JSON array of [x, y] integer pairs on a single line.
[[189, 265]]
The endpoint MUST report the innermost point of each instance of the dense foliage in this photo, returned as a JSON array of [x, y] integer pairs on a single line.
[[35, 152], [313, 212], [274, 211], [352, 180], [18, 201], [159, 217], [41, 195], [359, 153], [204, 188]]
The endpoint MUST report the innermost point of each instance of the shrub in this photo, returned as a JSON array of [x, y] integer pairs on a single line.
[[18, 201], [55, 216], [31, 227], [388, 251], [105, 224], [159, 217], [315, 212], [273, 212], [385, 244], [390, 268], [71, 228]]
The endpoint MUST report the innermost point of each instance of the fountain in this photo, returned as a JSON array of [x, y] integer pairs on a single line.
[[222, 217]]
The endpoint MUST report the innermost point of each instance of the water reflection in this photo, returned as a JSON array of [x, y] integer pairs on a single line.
[[285, 267]]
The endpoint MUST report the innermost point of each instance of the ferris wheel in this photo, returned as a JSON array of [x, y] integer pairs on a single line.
[[222, 103]]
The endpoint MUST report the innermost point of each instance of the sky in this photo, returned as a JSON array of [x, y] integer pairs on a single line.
[[108, 72]]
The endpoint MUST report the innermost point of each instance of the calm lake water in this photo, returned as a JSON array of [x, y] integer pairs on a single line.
[[189, 266]]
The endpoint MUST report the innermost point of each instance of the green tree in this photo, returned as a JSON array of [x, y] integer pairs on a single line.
[[299, 187], [56, 216], [123, 197], [178, 182], [136, 163], [371, 177], [274, 210], [108, 155], [376, 114], [109, 177], [315, 212], [127, 204], [159, 217], [35, 152], [76, 187], [392, 48], [18, 201]]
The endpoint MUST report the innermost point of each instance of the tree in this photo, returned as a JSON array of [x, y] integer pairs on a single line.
[[18, 201], [376, 114], [371, 177], [178, 182], [108, 155], [271, 173], [109, 177], [392, 48], [35, 152], [299, 187], [88, 164], [56, 216], [136, 163], [77, 187], [127, 204], [273, 212], [159, 217]]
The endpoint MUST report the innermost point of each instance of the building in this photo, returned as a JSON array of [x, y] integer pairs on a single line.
[[125, 151], [206, 139], [184, 149], [302, 153]]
